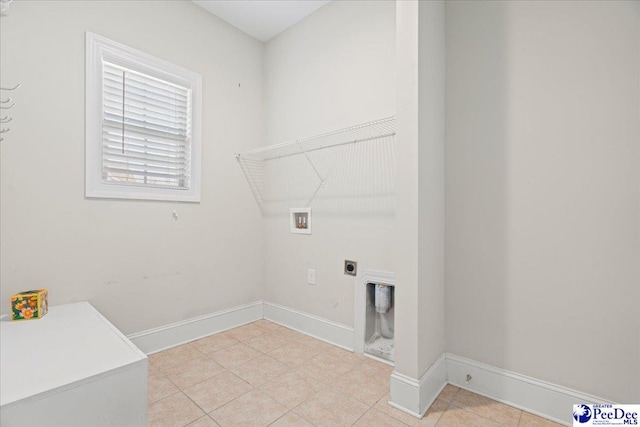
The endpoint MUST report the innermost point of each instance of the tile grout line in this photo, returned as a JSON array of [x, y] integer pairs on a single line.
[[279, 418], [198, 406], [299, 404], [301, 416], [464, 408], [166, 397], [445, 409], [181, 390], [194, 384], [364, 413], [238, 397], [297, 368], [201, 408], [225, 369]]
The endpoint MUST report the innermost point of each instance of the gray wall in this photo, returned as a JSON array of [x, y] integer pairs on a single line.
[[332, 70], [130, 259], [419, 254], [542, 169], [542, 191]]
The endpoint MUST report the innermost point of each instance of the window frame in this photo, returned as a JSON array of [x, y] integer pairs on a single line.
[[99, 49]]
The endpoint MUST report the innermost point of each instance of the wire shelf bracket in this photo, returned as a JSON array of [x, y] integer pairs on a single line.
[[253, 162]]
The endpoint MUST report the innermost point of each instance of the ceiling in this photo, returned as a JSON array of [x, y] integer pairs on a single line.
[[262, 19]]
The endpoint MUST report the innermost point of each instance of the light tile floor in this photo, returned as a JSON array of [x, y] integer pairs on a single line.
[[263, 374]]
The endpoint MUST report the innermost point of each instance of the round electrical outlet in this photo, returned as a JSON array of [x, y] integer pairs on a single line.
[[350, 267]]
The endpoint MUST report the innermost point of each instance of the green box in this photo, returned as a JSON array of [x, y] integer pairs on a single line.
[[29, 305]]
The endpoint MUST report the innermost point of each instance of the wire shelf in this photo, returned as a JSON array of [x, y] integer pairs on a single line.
[[351, 135], [354, 163]]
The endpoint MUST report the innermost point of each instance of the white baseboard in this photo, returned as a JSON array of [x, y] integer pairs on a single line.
[[317, 327], [537, 397], [407, 394], [164, 337], [416, 396]]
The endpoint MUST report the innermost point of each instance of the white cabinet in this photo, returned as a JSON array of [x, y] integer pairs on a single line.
[[70, 368]]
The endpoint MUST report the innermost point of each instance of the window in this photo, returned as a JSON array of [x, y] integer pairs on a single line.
[[142, 125]]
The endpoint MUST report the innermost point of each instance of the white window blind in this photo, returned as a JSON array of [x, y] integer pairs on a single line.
[[146, 130], [143, 125]]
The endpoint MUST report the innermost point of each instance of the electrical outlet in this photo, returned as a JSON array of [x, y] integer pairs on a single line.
[[350, 267], [311, 276]]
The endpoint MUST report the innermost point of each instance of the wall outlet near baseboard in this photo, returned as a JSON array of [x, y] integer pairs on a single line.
[[311, 276]]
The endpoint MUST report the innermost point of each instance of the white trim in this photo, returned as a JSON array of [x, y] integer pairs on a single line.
[[404, 394], [416, 396], [164, 337], [360, 305], [547, 400], [409, 395], [317, 327], [4, 7], [97, 48]]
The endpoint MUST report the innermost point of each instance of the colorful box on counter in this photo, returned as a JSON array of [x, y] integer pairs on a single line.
[[29, 304]]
